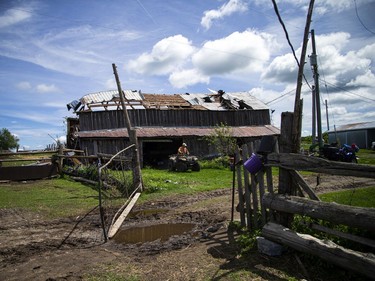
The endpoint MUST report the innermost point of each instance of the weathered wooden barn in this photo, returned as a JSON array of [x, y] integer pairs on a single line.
[[164, 122]]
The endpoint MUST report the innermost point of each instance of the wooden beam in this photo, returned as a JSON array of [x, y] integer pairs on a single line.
[[348, 236], [115, 227], [362, 263], [341, 214], [304, 185], [295, 161]]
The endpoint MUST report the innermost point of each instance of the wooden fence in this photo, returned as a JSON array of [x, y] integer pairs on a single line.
[[265, 206], [33, 165]]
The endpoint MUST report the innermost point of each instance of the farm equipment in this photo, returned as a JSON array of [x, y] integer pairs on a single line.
[[182, 163], [344, 154]]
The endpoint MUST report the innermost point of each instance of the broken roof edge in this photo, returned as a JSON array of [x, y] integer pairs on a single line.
[[149, 132], [209, 101]]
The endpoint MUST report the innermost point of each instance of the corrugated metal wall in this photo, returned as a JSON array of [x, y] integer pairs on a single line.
[[99, 120], [362, 138]]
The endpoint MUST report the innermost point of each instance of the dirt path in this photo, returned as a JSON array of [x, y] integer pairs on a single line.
[[73, 249]]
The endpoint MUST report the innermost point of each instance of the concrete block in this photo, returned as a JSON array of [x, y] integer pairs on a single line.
[[269, 248]]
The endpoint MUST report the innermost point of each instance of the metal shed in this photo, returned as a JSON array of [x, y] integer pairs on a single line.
[[362, 134]]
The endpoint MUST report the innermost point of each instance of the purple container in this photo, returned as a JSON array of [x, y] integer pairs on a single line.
[[253, 164]]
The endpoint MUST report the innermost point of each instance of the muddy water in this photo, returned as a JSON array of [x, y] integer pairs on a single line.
[[151, 232]]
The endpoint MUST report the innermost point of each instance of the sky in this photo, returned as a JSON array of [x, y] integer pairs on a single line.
[[54, 52]]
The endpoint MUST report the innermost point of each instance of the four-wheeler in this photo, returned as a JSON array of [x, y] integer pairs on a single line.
[[182, 163]]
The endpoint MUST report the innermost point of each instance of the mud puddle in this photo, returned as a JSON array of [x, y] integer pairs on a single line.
[[151, 233]]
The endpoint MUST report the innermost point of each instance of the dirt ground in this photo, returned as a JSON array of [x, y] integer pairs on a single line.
[[32, 248]]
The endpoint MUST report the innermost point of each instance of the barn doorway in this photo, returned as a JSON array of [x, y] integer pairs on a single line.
[[156, 151]]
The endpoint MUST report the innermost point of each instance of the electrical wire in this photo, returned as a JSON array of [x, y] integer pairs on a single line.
[[279, 97], [349, 92], [287, 37], [326, 88], [285, 30], [359, 19]]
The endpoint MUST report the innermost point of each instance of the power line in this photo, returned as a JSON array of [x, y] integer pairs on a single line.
[[279, 97], [287, 37], [359, 19], [326, 88], [349, 92], [285, 30]]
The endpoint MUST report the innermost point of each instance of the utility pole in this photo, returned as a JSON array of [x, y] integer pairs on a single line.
[[327, 115], [314, 64], [313, 133], [137, 176], [297, 119]]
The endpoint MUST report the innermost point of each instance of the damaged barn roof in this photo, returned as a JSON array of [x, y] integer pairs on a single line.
[[220, 100], [150, 132]]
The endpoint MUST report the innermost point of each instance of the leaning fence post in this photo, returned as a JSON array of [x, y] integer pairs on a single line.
[[249, 212], [240, 191]]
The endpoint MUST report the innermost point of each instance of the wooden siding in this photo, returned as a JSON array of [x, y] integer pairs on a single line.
[[99, 120]]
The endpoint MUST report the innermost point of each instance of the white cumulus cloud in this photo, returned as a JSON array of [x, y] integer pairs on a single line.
[[165, 57], [232, 6], [248, 50], [181, 79]]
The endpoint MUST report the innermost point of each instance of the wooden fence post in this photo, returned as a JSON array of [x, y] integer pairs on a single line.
[[61, 159], [249, 212], [285, 178], [240, 190]]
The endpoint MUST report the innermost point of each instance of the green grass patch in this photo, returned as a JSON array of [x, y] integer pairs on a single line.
[[163, 182], [50, 198], [360, 197], [366, 156]]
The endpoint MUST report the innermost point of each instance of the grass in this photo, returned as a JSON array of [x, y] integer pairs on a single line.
[[361, 197], [162, 182], [50, 198], [366, 156], [62, 197]]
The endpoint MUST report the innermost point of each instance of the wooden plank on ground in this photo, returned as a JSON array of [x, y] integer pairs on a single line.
[[363, 263], [115, 227]]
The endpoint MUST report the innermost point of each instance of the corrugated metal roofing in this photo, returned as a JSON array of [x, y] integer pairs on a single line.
[[152, 132], [106, 96], [208, 101], [248, 99], [201, 100], [356, 126]]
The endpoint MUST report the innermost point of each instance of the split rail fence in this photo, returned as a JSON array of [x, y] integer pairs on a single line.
[[271, 207]]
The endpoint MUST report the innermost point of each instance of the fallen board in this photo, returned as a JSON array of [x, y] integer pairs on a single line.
[[115, 227]]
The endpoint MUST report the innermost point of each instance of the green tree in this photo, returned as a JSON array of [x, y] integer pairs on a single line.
[[222, 139], [7, 140]]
